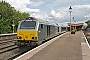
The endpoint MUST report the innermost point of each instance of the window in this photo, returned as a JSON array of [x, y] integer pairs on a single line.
[[28, 25], [41, 26], [58, 29]]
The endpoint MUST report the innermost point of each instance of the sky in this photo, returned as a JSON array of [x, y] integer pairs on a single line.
[[55, 10]]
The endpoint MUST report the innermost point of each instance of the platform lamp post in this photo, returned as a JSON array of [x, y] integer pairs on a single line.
[[13, 25], [70, 10], [73, 23]]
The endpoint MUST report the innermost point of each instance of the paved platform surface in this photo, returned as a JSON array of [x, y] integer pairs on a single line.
[[61, 48], [64, 48]]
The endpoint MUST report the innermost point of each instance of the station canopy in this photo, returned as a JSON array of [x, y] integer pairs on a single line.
[[78, 24]]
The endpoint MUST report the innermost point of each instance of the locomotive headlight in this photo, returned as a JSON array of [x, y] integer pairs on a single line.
[[34, 38], [19, 37]]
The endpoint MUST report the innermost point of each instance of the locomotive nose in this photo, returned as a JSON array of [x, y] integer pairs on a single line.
[[26, 36]]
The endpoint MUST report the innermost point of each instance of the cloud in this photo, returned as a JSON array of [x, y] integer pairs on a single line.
[[78, 11], [87, 15], [58, 2], [40, 15], [21, 5], [81, 13], [37, 3], [55, 15]]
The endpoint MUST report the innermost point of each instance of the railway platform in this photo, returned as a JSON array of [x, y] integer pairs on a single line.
[[61, 48]]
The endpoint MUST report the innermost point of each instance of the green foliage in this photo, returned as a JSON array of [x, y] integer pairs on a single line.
[[88, 23], [73, 30], [8, 16]]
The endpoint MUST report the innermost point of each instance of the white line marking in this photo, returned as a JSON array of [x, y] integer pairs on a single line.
[[86, 40], [44, 44]]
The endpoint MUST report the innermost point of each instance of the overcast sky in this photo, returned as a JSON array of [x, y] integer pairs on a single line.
[[55, 10]]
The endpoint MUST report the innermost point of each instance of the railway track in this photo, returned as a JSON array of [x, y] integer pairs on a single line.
[[14, 52], [21, 52], [8, 50], [6, 43], [6, 46], [7, 53], [11, 51]]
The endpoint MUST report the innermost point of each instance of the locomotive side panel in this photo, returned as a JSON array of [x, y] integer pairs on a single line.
[[59, 29], [41, 35], [52, 31]]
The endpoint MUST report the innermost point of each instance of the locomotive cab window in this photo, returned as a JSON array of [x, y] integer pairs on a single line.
[[28, 25]]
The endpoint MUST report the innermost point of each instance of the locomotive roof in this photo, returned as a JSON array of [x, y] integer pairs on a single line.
[[33, 18], [42, 21]]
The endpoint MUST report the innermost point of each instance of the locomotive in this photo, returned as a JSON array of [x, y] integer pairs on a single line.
[[33, 31]]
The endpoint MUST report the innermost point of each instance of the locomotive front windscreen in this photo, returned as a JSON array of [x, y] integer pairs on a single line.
[[28, 25]]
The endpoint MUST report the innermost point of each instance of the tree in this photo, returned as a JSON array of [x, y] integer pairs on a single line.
[[88, 23], [8, 16]]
